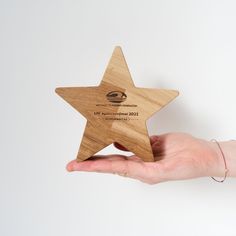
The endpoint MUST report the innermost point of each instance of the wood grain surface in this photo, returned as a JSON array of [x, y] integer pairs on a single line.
[[116, 110]]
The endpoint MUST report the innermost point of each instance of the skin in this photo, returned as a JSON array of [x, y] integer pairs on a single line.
[[178, 156]]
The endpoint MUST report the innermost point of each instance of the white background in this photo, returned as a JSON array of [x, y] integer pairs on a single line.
[[178, 44]]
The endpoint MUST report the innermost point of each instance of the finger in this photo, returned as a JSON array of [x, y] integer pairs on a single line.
[[110, 157], [90, 164], [105, 165], [77, 166], [158, 148], [120, 147], [143, 171], [153, 139]]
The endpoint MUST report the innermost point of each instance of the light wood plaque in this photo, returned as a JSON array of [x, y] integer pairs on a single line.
[[116, 110]]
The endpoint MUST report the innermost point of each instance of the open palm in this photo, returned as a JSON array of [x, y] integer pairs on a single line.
[[177, 156]]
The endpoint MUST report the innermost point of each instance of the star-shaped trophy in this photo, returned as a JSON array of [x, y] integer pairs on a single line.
[[116, 110]]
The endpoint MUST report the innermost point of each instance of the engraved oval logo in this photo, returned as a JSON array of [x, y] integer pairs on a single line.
[[116, 96]]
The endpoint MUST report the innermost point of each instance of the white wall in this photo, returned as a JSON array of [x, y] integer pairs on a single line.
[[184, 45]]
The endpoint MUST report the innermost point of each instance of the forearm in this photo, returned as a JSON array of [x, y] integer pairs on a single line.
[[229, 149]]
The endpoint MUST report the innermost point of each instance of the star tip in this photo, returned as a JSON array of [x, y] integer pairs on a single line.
[[118, 47], [176, 92], [59, 91]]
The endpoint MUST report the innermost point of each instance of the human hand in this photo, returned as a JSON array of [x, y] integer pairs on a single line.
[[178, 156]]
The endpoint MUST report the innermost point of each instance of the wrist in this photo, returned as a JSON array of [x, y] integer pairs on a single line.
[[229, 150]]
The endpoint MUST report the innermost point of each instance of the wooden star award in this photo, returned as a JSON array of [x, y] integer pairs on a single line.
[[116, 110]]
